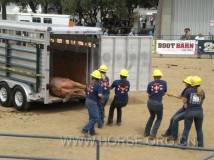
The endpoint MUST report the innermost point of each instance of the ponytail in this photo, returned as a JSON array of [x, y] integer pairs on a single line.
[[200, 92]]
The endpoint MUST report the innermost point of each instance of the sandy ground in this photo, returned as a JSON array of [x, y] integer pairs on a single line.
[[68, 119]]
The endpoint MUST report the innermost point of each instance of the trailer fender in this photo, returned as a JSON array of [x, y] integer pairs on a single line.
[[28, 90]]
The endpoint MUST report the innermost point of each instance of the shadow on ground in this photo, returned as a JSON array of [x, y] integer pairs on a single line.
[[56, 107]]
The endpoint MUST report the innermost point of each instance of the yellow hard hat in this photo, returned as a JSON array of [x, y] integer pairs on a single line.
[[157, 73], [96, 74], [103, 68], [124, 72], [196, 81], [188, 80]]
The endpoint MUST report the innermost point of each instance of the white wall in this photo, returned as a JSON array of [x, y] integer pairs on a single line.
[[130, 52], [166, 17], [195, 14]]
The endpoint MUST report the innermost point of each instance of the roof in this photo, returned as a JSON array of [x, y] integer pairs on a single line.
[[56, 29]]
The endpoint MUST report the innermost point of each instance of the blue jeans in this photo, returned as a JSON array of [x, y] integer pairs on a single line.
[[173, 126], [105, 99], [101, 116], [93, 112], [197, 117], [155, 109], [102, 110]]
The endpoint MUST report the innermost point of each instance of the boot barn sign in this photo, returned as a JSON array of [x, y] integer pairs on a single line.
[[184, 47]]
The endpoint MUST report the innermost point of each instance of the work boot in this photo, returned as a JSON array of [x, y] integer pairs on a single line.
[[200, 145], [182, 144], [85, 132], [146, 135], [92, 133], [100, 125], [171, 138], [119, 123], [109, 123]]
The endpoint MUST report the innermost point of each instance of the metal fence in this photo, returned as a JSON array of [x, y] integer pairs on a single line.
[[178, 37], [164, 37], [209, 157], [27, 157], [98, 143]]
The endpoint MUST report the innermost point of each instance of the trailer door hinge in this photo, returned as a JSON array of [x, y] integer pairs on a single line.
[[47, 86], [48, 48]]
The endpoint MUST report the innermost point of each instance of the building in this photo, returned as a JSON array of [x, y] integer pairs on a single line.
[[175, 15]]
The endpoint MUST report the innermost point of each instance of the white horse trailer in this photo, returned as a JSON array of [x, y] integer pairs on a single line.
[[44, 18], [31, 54]]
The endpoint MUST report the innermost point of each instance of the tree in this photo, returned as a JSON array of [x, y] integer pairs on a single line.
[[131, 5], [4, 7], [33, 4], [54, 4], [45, 4], [88, 10], [85, 10], [113, 13], [148, 3]]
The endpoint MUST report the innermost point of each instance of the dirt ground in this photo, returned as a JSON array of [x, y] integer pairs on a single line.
[[68, 119]]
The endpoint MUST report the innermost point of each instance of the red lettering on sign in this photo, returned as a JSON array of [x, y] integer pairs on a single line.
[[191, 45], [178, 45], [182, 45], [185, 45]]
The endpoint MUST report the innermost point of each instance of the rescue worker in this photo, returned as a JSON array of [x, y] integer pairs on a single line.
[[156, 90], [106, 91], [120, 99], [93, 98], [172, 131], [193, 99]]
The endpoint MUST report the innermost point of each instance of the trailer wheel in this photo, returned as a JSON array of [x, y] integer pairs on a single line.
[[5, 95], [20, 99]]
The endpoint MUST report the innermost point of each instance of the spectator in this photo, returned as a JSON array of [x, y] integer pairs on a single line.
[[119, 32], [187, 35], [144, 24], [150, 33], [105, 32], [151, 20], [143, 21], [146, 21], [198, 38]]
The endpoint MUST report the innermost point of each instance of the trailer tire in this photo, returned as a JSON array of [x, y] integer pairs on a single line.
[[5, 95], [20, 99]]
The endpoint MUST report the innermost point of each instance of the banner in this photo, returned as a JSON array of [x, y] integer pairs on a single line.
[[182, 47], [206, 46]]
